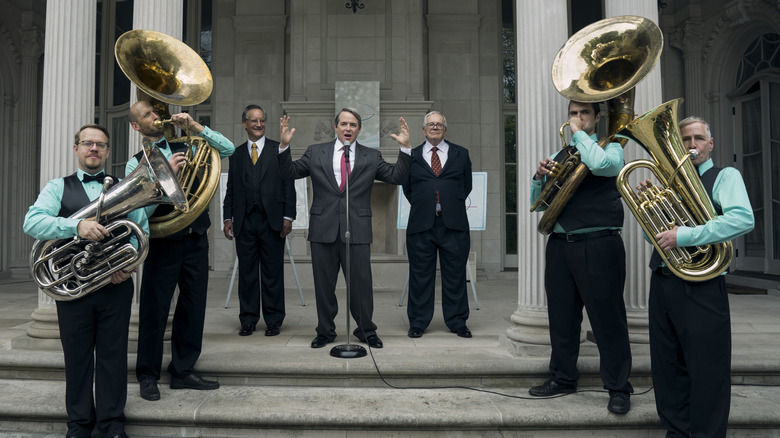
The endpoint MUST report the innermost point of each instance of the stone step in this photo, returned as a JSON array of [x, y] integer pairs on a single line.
[[314, 411]]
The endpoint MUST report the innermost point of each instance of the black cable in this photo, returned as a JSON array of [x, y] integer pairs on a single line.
[[487, 391]]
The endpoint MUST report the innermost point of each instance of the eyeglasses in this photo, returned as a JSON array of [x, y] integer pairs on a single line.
[[88, 144], [256, 121], [435, 125]]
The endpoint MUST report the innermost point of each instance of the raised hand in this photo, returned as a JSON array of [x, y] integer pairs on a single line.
[[285, 133], [403, 137]]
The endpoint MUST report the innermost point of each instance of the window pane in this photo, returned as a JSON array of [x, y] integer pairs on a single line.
[[510, 139], [511, 234], [124, 22], [510, 172]]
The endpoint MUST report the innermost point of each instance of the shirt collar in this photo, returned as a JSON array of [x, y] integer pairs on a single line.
[[443, 147], [80, 173], [338, 145], [705, 166], [260, 143]]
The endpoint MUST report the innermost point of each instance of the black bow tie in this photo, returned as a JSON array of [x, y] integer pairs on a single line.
[[99, 178]]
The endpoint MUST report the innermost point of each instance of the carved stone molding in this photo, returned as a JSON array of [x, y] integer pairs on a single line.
[[32, 41], [8, 42], [737, 13]]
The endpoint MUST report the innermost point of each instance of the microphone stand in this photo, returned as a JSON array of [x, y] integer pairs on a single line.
[[347, 351]]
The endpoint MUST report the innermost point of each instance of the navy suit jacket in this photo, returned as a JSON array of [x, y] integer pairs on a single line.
[[453, 183], [278, 195], [327, 220]]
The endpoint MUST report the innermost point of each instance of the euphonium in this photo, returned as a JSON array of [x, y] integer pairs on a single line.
[[167, 70], [602, 62], [681, 200], [67, 269]]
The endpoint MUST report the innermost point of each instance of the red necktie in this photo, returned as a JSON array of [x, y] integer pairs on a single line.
[[435, 162], [436, 167], [344, 167]]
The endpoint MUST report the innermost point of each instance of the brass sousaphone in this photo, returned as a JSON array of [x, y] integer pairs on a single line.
[[169, 71], [602, 62]]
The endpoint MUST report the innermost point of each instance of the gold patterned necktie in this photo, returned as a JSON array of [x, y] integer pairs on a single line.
[[254, 153]]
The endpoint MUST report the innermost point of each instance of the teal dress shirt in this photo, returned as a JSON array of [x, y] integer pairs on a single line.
[[42, 223], [214, 138]]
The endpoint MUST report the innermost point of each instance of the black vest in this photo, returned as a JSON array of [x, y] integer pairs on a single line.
[[594, 190], [252, 177], [199, 225], [708, 181], [74, 198]]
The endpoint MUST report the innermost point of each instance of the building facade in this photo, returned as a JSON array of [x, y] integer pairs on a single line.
[[484, 64]]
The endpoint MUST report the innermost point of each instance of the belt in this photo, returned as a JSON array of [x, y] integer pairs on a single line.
[[438, 213], [569, 237]]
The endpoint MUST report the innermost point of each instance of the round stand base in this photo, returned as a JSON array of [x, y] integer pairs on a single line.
[[347, 351]]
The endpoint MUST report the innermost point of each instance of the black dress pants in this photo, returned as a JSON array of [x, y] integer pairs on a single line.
[[589, 272], [170, 262], [327, 258], [690, 354], [452, 248], [93, 332], [260, 252]]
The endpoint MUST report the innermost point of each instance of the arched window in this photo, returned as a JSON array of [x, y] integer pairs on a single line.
[[757, 125]]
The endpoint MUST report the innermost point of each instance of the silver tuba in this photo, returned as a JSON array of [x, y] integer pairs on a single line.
[[67, 269]]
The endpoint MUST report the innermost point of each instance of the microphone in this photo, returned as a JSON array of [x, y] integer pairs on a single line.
[[346, 156]]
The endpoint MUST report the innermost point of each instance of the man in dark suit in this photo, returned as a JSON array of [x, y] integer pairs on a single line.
[[325, 164], [259, 209], [439, 182]]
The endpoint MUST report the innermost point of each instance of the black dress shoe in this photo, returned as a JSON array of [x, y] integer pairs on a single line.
[[247, 329], [272, 331], [149, 389], [619, 402], [320, 341], [463, 332], [415, 333], [193, 381], [372, 340], [551, 387], [120, 435]]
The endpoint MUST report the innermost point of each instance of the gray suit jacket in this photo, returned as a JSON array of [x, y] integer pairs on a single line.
[[327, 219]]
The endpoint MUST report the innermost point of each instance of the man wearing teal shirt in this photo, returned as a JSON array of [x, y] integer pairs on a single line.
[[585, 266], [179, 259], [690, 327], [93, 328]]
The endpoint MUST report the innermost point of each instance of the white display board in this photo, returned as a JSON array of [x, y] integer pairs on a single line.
[[301, 202], [475, 204]]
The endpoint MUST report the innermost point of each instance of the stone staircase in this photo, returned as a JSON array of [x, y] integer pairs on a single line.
[[435, 386]]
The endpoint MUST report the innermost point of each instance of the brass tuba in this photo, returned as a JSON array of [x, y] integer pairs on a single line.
[[603, 61], [67, 269], [167, 70], [681, 201]]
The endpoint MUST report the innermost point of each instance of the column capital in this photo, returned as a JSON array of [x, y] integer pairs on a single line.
[[688, 36], [32, 41], [5, 38]]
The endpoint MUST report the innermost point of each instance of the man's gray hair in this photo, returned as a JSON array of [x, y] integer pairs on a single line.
[[425, 119], [694, 119]]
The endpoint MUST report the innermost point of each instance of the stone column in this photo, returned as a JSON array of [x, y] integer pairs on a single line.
[[689, 37], [166, 17], [541, 31], [68, 103], [25, 153], [648, 96]]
